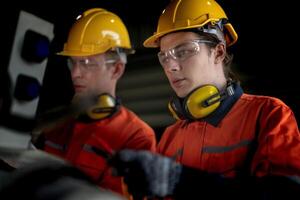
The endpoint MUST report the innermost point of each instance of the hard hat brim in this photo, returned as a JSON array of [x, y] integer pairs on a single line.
[[153, 41]]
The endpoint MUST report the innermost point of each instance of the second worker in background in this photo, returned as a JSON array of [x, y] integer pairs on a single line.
[[97, 49]]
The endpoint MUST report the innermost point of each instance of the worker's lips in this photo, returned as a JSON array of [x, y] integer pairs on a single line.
[[178, 82], [78, 88]]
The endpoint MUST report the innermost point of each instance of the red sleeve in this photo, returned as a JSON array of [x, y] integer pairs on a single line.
[[278, 150], [143, 139]]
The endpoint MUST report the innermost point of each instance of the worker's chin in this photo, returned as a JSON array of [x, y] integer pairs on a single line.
[[181, 93], [85, 93], [79, 94]]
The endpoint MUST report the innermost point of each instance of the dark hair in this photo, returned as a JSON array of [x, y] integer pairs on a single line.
[[229, 74]]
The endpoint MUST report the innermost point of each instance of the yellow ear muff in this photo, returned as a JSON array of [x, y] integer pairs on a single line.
[[202, 101], [105, 106]]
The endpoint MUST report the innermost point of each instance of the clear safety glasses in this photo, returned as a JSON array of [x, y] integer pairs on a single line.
[[88, 64], [181, 52]]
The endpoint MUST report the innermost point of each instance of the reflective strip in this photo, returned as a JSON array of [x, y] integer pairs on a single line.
[[88, 148], [95, 150], [55, 145], [211, 149]]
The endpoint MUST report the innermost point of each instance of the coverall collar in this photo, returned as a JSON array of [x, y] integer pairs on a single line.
[[215, 118]]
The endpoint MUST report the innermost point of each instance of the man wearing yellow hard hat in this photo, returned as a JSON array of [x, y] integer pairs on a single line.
[[226, 143], [97, 48]]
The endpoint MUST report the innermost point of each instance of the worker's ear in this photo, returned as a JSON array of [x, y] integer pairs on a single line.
[[220, 52], [118, 69]]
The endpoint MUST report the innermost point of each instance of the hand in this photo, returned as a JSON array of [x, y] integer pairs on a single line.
[[147, 174]]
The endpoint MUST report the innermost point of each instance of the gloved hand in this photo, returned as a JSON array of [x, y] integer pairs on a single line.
[[147, 174]]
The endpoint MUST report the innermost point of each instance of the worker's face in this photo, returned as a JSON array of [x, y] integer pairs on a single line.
[[92, 74], [188, 63]]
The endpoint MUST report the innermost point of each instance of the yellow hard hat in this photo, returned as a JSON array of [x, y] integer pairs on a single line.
[[189, 14], [96, 31]]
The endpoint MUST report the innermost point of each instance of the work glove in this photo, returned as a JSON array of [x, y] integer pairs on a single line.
[[147, 174]]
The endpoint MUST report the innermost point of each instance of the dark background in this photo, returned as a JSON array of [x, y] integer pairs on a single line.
[[265, 56]]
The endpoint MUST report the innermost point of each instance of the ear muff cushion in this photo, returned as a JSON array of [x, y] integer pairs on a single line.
[[202, 101], [105, 106], [175, 108]]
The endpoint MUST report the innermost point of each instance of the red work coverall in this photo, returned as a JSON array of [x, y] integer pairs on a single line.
[[256, 133], [78, 143]]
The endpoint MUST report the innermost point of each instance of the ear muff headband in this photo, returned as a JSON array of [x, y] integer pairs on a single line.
[[175, 108], [105, 106]]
